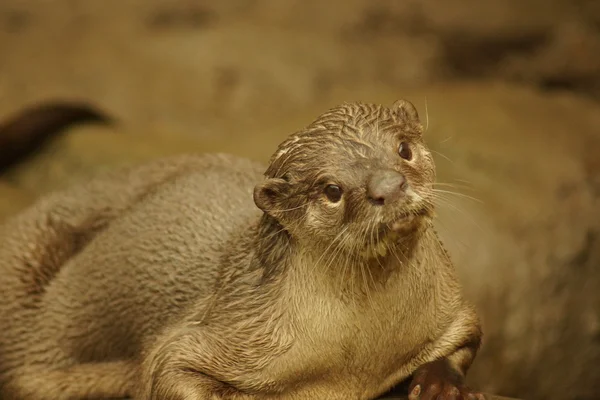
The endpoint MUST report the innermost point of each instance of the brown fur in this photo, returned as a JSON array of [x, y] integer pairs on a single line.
[[27, 131], [165, 281]]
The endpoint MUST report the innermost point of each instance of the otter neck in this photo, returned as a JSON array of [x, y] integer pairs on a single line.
[[352, 274]]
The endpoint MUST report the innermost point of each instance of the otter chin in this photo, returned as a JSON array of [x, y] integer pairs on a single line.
[[405, 223], [399, 228], [409, 220]]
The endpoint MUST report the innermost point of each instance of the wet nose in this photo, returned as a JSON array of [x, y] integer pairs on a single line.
[[386, 186]]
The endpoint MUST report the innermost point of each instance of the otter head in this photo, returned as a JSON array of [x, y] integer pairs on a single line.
[[357, 179]]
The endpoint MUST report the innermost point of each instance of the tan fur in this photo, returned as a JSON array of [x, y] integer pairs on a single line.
[[165, 281]]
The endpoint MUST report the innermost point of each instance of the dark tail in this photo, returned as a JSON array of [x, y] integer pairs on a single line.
[[27, 131]]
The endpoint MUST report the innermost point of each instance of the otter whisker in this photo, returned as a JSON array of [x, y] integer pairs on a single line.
[[339, 249], [371, 228], [328, 247], [378, 259], [357, 247], [452, 185], [371, 274], [371, 246], [455, 240], [443, 202], [366, 289], [393, 251], [466, 196], [271, 235], [464, 181], [346, 264], [340, 282], [338, 252], [440, 200], [354, 260], [442, 155], [386, 244], [440, 197], [426, 115], [352, 290]]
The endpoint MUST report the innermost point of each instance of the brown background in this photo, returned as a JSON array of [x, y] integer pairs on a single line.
[[509, 91]]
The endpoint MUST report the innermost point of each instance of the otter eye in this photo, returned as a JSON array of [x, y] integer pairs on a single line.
[[405, 151], [333, 193]]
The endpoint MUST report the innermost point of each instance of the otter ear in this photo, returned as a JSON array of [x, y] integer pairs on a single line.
[[407, 110], [268, 195]]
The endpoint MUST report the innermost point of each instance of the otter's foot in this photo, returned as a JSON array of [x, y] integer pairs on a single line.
[[437, 380]]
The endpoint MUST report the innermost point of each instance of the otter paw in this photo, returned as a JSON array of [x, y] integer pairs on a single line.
[[438, 381], [443, 391]]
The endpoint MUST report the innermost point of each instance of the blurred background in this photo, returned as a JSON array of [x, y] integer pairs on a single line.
[[509, 91]]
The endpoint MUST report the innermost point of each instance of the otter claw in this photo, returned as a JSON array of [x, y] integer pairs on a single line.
[[415, 393], [444, 392], [435, 381]]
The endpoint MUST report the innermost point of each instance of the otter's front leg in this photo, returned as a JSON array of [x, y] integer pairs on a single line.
[[444, 378], [188, 364], [176, 382]]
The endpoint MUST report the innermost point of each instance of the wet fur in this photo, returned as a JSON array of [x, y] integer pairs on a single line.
[[166, 281]]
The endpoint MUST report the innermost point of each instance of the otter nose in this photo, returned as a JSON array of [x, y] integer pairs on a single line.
[[386, 186]]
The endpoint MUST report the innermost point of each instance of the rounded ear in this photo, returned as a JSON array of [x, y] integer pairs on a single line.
[[268, 195], [407, 110]]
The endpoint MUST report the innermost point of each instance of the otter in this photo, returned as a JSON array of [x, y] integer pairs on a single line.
[[27, 131], [319, 276]]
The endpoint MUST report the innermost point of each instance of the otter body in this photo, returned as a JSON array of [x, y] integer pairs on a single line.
[[198, 277]]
